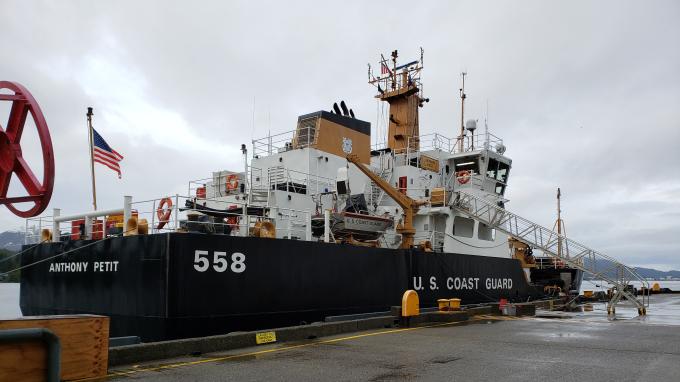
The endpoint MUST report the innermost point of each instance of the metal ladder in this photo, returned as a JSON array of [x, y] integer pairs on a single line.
[[573, 253], [376, 193]]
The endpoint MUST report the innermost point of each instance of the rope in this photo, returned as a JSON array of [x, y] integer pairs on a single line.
[[20, 253], [475, 246], [63, 253]]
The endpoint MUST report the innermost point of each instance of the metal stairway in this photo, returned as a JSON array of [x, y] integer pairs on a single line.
[[376, 193], [574, 254]]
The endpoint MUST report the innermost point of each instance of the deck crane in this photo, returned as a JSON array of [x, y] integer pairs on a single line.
[[409, 205]]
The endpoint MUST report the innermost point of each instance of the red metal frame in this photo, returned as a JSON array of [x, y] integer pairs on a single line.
[[11, 158]]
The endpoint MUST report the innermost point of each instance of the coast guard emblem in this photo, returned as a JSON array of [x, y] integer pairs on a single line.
[[347, 145]]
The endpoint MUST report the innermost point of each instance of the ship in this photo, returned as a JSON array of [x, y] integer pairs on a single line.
[[318, 222]]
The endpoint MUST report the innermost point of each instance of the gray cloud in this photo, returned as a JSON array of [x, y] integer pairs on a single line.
[[585, 95]]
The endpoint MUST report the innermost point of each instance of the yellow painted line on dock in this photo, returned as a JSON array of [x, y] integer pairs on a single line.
[[124, 373], [499, 318]]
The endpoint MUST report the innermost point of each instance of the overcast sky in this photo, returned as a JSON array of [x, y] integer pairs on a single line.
[[586, 95]]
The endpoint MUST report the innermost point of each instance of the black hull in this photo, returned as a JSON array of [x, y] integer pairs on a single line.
[[151, 286]]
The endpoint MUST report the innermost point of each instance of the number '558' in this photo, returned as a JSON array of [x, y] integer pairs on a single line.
[[220, 263]]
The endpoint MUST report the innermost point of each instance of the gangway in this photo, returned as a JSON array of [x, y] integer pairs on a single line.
[[574, 254]]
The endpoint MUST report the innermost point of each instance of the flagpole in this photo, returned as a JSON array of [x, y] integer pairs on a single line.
[[91, 142]]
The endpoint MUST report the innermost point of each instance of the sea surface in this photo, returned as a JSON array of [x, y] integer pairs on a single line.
[[9, 300], [9, 295], [595, 285]]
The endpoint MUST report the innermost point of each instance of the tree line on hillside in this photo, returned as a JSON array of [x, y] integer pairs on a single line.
[[7, 263]]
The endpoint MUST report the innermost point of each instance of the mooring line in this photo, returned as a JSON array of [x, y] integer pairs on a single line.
[[63, 253]]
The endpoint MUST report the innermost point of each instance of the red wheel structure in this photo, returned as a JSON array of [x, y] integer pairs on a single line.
[[11, 157]]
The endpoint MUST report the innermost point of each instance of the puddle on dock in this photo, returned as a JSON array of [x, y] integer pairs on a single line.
[[664, 309]]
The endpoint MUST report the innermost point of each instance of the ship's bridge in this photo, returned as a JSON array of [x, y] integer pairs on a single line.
[[478, 163]]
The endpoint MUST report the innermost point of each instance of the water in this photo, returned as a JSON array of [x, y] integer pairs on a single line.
[[598, 286], [9, 300]]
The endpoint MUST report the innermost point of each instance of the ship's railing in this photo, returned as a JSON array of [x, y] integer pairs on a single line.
[[436, 239], [206, 183], [479, 141], [261, 182], [547, 262], [87, 225], [561, 248], [286, 141], [33, 228], [436, 141], [282, 177], [289, 223], [216, 186]]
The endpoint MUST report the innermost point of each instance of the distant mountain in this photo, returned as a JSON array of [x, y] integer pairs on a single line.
[[11, 240], [649, 273], [646, 273]]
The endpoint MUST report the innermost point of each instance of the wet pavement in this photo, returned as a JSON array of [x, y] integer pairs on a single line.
[[577, 346]]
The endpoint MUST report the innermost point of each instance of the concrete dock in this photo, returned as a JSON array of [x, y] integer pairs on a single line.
[[556, 346]]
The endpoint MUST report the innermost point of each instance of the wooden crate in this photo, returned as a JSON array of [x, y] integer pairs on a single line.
[[84, 348]]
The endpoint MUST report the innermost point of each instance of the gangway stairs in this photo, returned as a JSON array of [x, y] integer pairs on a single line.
[[574, 254]]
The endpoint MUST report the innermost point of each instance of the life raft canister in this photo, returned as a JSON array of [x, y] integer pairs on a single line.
[[232, 182], [163, 212], [463, 176]]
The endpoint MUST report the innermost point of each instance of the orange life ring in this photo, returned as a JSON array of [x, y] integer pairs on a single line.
[[163, 213], [232, 182], [558, 263], [463, 176]]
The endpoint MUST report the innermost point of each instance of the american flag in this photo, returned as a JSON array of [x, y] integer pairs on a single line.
[[104, 154], [384, 69]]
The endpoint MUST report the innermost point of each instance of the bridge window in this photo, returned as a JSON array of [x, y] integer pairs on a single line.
[[467, 164], [498, 170], [463, 227], [486, 233], [492, 168], [502, 174]]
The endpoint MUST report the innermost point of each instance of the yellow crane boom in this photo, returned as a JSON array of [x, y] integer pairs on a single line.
[[409, 205]]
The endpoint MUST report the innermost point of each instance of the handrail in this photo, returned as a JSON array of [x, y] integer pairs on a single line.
[[289, 219], [574, 253]]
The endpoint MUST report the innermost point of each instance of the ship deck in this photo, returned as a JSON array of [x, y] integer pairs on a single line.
[[575, 346]]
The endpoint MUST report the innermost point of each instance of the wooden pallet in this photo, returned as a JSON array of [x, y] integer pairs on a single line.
[[84, 348]]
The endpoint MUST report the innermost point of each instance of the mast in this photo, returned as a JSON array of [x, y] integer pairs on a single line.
[[401, 87], [91, 143], [559, 224], [462, 113]]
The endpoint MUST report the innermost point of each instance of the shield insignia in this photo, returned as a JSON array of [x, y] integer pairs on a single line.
[[346, 145]]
